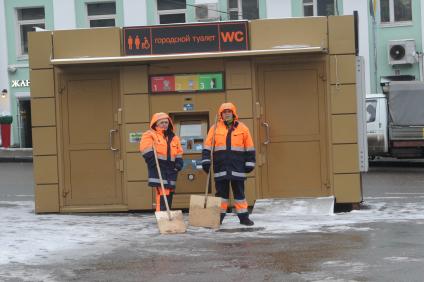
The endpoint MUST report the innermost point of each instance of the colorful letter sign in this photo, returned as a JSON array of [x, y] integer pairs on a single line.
[[187, 83], [186, 38]]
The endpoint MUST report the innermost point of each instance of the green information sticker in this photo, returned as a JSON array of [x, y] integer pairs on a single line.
[[135, 137], [210, 82]]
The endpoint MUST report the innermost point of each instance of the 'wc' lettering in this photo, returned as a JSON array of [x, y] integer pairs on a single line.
[[231, 36]]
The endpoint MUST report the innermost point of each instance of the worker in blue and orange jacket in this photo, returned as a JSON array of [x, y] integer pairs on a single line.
[[169, 152], [233, 158]]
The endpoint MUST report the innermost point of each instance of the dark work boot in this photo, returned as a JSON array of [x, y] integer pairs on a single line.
[[222, 218], [244, 219], [247, 222]]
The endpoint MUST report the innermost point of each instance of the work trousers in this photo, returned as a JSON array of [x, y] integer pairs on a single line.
[[240, 203], [160, 202]]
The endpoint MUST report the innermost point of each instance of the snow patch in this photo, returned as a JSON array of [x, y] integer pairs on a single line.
[[402, 259], [29, 238]]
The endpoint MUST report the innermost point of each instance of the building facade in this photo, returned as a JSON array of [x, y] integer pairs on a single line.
[[380, 22]]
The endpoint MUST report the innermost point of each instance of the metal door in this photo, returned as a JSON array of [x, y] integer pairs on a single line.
[[91, 141], [293, 131]]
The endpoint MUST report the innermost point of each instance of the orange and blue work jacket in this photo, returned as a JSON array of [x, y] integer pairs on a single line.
[[234, 151], [168, 149]]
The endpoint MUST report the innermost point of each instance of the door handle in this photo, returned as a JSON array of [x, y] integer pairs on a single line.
[[111, 139], [267, 140]]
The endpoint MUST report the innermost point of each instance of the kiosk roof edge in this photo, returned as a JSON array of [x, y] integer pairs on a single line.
[[185, 56]]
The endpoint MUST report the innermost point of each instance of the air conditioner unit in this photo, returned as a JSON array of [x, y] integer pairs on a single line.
[[207, 12], [402, 52]]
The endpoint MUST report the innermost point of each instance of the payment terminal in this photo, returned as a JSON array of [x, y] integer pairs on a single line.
[[192, 129]]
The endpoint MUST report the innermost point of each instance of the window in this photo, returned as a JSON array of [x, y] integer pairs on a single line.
[[101, 14], [243, 9], [27, 20], [395, 11], [171, 11], [371, 110], [318, 8]]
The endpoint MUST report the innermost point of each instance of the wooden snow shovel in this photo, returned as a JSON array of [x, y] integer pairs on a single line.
[[205, 210], [169, 222]]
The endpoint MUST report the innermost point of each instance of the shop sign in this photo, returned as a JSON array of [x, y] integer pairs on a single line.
[[202, 82], [186, 38], [20, 83]]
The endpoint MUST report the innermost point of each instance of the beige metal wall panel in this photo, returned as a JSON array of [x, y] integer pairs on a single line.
[[345, 158], [341, 36], [39, 49], [97, 42], [243, 101], [189, 66], [139, 196], [347, 188], [342, 69], [42, 83], [43, 112], [136, 167], [250, 191], [266, 34], [131, 146], [181, 201], [93, 178], [208, 102], [249, 123], [134, 79], [45, 169], [136, 108], [44, 141], [343, 99], [46, 198], [294, 170], [344, 129], [238, 75]]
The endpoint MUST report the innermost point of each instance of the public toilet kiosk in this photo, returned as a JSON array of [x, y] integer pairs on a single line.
[[93, 92]]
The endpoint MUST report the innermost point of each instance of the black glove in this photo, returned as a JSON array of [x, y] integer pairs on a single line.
[[178, 166], [248, 169], [206, 167]]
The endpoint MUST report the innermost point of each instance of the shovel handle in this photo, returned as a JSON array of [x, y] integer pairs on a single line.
[[211, 167], [161, 181]]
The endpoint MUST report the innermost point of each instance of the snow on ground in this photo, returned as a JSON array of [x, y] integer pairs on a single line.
[[28, 238]]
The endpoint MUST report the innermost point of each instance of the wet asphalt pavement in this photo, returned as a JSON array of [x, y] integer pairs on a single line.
[[389, 248]]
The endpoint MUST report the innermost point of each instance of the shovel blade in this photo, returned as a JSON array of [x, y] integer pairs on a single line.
[[295, 206], [174, 226], [208, 217]]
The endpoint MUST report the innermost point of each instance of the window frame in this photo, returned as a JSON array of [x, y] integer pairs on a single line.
[[170, 12], [239, 9], [18, 38], [314, 5], [392, 21], [100, 17]]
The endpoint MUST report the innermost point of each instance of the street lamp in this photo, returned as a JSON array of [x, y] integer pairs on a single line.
[[3, 93]]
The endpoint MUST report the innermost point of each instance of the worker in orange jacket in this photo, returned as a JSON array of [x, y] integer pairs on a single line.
[[233, 158], [170, 153]]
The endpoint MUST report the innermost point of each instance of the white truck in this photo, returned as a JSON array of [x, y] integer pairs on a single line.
[[395, 121]]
